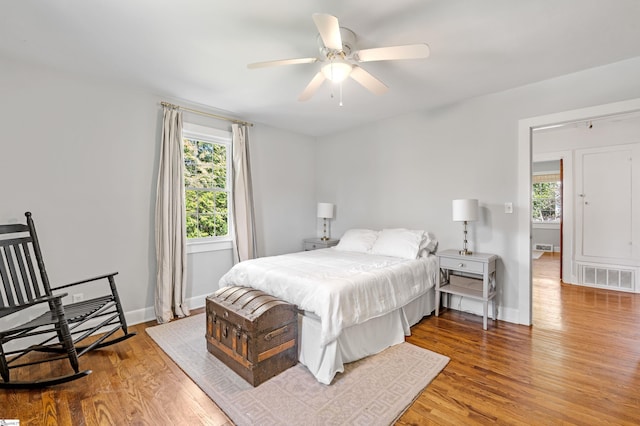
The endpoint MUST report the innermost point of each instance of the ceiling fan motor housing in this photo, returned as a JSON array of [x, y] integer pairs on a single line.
[[348, 39]]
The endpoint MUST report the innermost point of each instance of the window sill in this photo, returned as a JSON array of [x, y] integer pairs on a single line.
[[548, 225], [205, 246]]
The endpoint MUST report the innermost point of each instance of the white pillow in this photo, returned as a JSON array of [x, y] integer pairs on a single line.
[[428, 245], [404, 243], [359, 240]]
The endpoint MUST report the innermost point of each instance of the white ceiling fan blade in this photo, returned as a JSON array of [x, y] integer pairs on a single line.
[[329, 30], [368, 81], [409, 51], [282, 62], [312, 87]]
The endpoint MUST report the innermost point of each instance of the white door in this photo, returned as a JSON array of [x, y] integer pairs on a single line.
[[604, 203]]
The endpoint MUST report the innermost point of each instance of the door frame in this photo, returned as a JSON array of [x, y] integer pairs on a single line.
[[525, 139]]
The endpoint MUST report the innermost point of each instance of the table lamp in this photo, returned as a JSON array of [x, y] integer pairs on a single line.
[[325, 211], [465, 210]]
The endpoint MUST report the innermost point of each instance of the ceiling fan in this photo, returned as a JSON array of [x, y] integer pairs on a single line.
[[340, 58]]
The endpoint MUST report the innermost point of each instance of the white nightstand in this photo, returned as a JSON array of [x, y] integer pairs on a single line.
[[318, 243], [475, 277]]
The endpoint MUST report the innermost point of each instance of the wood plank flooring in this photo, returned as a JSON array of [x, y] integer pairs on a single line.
[[578, 364]]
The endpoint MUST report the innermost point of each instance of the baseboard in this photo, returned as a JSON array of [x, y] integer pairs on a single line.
[[474, 307], [466, 305], [148, 314]]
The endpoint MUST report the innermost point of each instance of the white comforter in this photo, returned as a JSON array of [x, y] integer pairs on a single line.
[[342, 288]]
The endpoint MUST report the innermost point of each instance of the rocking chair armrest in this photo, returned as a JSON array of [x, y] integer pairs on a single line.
[[4, 311], [99, 277]]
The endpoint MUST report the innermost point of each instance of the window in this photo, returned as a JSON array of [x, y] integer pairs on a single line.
[[207, 175], [546, 198]]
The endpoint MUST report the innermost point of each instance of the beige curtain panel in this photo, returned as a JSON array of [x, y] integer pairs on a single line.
[[245, 246], [170, 222]]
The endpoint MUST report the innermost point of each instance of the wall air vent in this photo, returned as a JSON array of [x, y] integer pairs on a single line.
[[544, 247], [607, 277]]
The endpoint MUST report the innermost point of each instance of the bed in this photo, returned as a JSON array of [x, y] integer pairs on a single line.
[[355, 299]]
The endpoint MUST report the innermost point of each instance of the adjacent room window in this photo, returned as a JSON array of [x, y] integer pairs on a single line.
[[207, 178], [547, 198]]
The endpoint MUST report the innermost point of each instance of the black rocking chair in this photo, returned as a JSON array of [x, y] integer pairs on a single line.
[[65, 328]]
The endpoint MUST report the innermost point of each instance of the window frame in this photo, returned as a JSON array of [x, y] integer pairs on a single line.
[[221, 137], [559, 189]]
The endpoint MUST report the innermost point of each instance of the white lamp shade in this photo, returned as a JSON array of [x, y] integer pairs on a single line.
[[325, 210], [465, 210]]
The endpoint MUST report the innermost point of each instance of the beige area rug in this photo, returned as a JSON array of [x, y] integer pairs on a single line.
[[372, 391]]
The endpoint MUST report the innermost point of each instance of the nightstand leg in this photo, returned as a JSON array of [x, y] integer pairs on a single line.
[[485, 309]]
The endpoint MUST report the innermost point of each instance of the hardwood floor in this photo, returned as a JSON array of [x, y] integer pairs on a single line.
[[578, 364], [132, 383]]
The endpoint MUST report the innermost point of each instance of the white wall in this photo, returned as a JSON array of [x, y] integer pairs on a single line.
[[284, 175], [82, 155], [406, 170]]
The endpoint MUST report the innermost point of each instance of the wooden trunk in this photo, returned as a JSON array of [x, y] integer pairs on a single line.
[[253, 333]]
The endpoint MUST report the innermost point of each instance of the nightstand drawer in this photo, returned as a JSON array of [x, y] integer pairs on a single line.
[[462, 265], [313, 246], [318, 243]]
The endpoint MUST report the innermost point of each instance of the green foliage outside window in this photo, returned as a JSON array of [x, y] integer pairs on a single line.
[[206, 195], [546, 202]]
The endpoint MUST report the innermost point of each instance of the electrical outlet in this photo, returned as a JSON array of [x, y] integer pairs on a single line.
[[78, 297], [508, 207]]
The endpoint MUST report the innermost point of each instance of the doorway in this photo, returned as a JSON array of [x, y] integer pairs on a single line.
[[525, 141], [547, 205], [559, 232]]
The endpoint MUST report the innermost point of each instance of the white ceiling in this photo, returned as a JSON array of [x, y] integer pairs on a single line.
[[197, 50]]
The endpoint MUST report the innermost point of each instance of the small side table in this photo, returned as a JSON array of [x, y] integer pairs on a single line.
[[481, 266], [318, 243]]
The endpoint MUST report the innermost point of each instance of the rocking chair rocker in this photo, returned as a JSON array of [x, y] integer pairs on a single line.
[[64, 328]]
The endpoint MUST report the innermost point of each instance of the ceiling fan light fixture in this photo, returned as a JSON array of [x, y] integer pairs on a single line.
[[337, 71]]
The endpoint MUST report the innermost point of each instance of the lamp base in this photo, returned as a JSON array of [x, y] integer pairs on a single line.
[[465, 252], [324, 230]]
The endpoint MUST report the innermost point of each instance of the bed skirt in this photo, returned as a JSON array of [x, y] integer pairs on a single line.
[[358, 341]]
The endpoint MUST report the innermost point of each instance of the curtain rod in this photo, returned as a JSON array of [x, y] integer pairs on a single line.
[[195, 111]]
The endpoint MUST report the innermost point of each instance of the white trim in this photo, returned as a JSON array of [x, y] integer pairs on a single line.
[[525, 128], [207, 133], [546, 225], [471, 306], [205, 245], [148, 314]]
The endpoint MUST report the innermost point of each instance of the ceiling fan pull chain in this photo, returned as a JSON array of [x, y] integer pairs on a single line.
[[340, 94]]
